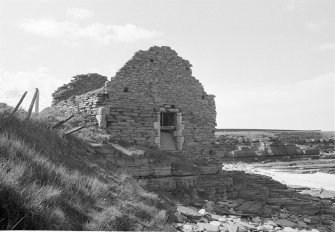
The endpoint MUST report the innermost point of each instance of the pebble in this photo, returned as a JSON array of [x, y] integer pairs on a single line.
[[202, 211], [187, 228], [307, 220], [215, 223]]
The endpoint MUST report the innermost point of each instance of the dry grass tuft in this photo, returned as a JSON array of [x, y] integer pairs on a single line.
[[47, 183]]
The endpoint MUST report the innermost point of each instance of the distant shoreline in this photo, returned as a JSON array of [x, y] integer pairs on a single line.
[[232, 130]]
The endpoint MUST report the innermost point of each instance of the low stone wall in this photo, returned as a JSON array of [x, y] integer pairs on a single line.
[[87, 103]]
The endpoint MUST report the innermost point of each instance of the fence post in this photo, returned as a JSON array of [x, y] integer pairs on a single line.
[[18, 104], [32, 104], [61, 122], [37, 102]]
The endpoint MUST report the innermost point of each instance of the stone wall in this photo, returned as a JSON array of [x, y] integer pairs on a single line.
[[129, 106], [155, 81], [79, 84], [87, 103]]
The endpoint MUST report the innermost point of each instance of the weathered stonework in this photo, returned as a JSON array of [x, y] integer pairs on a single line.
[[154, 100], [154, 84]]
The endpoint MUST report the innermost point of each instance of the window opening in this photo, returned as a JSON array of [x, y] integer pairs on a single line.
[[167, 119]]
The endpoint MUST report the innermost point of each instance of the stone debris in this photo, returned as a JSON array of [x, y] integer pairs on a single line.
[[195, 222], [286, 223], [280, 221], [189, 212]]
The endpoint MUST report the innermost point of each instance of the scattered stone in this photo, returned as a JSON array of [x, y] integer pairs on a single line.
[[302, 224], [207, 227], [215, 223], [256, 220], [307, 220], [314, 220], [232, 228], [289, 229], [218, 217], [209, 206], [286, 223], [187, 228], [204, 220], [202, 211], [189, 212], [261, 228], [252, 207], [270, 222], [268, 227]]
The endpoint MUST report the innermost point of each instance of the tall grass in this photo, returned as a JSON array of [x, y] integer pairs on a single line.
[[48, 182]]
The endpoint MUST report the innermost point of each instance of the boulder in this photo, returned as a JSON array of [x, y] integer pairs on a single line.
[[215, 223], [187, 228], [302, 224], [310, 209], [209, 206], [286, 223], [189, 212], [207, 227]]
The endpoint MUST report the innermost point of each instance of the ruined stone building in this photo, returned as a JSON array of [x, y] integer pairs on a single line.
[[154, 100]]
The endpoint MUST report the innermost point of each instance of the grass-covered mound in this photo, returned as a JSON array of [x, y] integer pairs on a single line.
[[51, 182]]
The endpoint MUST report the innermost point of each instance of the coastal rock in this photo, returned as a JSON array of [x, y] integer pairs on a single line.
[[189, 212], [209, 206], [250, 207], [207, 227], [187, 228], [286, 223], [302, 224], [289, 229], [215, 223]]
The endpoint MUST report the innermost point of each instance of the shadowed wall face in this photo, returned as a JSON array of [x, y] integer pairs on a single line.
[[154, 86]]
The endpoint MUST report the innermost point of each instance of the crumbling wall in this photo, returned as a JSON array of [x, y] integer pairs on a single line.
[[87, 103], [79, 84], [153, 81]]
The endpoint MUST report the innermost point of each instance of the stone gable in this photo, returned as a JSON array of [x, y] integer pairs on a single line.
[[154, 100]]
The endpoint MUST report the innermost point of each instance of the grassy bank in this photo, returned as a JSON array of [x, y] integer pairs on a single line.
[[51, 182]]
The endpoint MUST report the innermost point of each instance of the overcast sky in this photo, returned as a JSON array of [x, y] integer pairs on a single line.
[[271, 64]]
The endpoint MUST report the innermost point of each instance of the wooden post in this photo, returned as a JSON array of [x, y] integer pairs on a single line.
[[18, 104], [58, 124], [73, 130], [32, 104], [37, 102]]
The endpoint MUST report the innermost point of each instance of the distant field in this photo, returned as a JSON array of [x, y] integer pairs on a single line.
[[255, 133], [250, 134]]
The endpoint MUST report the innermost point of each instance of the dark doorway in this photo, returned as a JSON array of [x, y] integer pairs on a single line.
[[167, 119]]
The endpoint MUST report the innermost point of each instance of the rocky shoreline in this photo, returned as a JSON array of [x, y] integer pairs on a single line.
[[259, 203], [193, 219]]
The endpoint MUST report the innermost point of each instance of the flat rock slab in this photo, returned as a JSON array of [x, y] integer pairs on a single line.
[[286, 223], [189, 212], [207, 227]]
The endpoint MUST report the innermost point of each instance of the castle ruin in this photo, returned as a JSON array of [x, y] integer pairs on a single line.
[[154, 100]]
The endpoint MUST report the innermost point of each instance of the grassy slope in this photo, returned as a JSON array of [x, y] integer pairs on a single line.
[[51, 182]]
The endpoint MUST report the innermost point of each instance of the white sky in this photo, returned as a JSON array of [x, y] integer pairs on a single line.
[[271, 64]]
